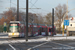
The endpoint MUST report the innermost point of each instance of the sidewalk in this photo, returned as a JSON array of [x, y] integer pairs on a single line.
[[60, 35]]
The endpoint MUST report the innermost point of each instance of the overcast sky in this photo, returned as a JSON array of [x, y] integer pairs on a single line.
[[45, 5]]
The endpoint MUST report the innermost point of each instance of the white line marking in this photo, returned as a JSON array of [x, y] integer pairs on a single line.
[[38, 45], [12, 47], [62, 44], [50, 42], [67, 48]]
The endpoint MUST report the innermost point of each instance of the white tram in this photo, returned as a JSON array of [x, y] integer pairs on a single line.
[[16, 29]]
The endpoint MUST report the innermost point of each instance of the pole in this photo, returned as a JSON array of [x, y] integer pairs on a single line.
[[17, 10], [63, 30], [63, 25], [52, 20], [67, 18], [32, 26], [26, 20], [10, 4]]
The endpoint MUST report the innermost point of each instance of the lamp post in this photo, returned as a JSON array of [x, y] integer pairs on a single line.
[[67, 19]]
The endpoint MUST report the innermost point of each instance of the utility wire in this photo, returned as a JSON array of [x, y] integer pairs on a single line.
[[31, 1], [14, 3], [36, 7], [34, 3]]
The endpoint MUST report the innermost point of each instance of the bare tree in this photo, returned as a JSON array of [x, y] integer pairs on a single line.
[[40, 19], [60, 11], [49, 18]]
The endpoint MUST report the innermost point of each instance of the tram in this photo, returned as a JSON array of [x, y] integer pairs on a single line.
[[17, 29]]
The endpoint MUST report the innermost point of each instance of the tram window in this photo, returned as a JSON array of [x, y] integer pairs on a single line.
[[29, 29], [13, 27], [43, 29], [50, 30], [35, 29], [70, 24], [40, 28]]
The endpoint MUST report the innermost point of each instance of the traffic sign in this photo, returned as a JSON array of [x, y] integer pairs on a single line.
[[4, 24], [66, 22]]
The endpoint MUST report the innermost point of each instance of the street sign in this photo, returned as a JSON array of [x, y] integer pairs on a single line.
[[66, 22], [4, 24]]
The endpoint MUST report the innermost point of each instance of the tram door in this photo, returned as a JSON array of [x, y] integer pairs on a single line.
[[50, 31], [40, 29]]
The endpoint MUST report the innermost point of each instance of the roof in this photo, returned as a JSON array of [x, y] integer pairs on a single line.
[[72, 19], [14, 21]]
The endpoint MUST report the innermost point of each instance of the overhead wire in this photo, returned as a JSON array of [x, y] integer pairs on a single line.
[[34, 3], [30, 0], [36, 7]]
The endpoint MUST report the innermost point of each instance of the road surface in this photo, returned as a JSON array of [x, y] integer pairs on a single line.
[[37, 43]]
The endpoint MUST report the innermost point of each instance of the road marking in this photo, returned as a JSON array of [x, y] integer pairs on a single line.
[[61, 48], [38, 45], [12, 47], [50, 42], [62, 44]]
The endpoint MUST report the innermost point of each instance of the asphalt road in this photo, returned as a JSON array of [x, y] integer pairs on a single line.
[[35, 43], [51, 45]]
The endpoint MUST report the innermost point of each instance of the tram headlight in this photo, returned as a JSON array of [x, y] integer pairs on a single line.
[[9, 34]]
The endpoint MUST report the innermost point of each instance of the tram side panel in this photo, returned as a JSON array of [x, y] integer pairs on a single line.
[[50, 32], [44, 31], [32, 30]]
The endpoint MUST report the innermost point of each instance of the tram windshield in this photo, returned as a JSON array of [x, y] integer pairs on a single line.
[[13, 27]]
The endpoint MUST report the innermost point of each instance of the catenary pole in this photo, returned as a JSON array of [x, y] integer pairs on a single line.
[[26, 20], [17, 10], [52, 20]]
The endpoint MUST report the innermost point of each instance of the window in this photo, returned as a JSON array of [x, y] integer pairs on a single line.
[[50, 30], [13, 27], [70, 24]]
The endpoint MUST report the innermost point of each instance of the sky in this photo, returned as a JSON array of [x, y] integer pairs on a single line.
[[45, 5]]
